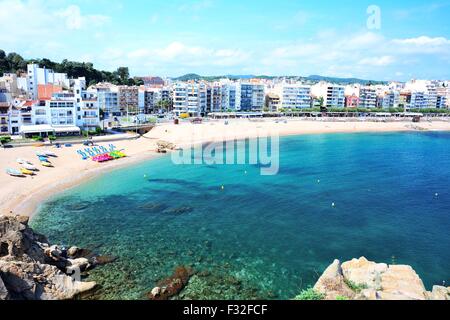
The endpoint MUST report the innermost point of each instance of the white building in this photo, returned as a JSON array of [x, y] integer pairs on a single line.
[[42, 76], [368, 97], [108, 99], [423, 94], [388, 99], [189, 98], [88, 110], [293, 96], [333, 95]]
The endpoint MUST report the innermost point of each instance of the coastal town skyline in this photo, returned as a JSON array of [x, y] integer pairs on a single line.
[[410, 40]]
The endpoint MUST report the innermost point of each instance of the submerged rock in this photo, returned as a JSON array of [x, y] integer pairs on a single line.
[[179, 211], [171, 286], [361, 279]]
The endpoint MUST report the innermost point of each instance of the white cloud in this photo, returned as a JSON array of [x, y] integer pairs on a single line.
[[75, 20], [424, 41], [377, 61]]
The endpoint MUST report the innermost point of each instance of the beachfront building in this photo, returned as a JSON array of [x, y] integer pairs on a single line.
[[423, 94], [388, 99], [293, 96], [333, 95], [150, 97], [351, 101], [250, 96], [108, 99], [229, 95], [273, 102], [442, 99], [189, 98], [367, 97], [128, 100], [42, 76], [214, 98], [88, 110]]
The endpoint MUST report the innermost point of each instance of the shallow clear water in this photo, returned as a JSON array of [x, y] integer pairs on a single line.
[[265, 236]]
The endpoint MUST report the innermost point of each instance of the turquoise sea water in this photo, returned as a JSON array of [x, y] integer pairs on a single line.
[[265, 236]]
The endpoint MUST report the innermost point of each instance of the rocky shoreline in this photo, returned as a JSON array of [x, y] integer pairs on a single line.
[[361, 279], [33, 269]]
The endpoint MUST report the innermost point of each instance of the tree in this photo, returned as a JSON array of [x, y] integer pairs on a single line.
[[123, 73]]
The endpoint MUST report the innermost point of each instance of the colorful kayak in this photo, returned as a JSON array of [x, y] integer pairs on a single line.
[[102, 158], [41, 154], [46, 164], [22, 161], [50, 154], [14, 173], [29, 167], [43, 159], [27, 172], [117, 154]]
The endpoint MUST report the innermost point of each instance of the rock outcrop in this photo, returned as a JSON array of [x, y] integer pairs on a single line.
[[32, 269], [360, 279]]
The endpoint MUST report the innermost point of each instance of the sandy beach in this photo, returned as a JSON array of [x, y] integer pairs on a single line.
[[22, 196]]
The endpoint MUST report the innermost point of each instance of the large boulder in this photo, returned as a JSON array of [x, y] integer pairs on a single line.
[[33, 269], [364, 273], [19, 241], [401, 282], [332, 283], [35, 281], [362, 279], [440, 293]]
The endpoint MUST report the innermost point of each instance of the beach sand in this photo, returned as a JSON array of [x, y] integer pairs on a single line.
[[22, 196]]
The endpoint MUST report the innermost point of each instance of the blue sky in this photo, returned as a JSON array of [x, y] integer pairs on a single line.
[[214, 37]]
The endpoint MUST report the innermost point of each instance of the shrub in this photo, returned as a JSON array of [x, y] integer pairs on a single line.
[[341, 298], [310, 294], [5, 139], [51, 138], [354, 286], [37, 138]]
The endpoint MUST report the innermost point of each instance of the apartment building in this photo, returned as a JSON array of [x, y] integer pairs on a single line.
[[423, 94], [368, 97], [107, 98], [333, 95], [214, 98], [128, 100], [250, 97], [293, 96], [150, 99], [388, 99], [229, 96], [88, 110], [190, 98], [443, 95], [273, 102], [42, 76], [352, 101]]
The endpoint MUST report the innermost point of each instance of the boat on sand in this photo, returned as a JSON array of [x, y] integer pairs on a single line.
[[14, 173]]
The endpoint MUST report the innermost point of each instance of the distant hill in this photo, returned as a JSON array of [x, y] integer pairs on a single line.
[[343, 80], [312, 78]]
